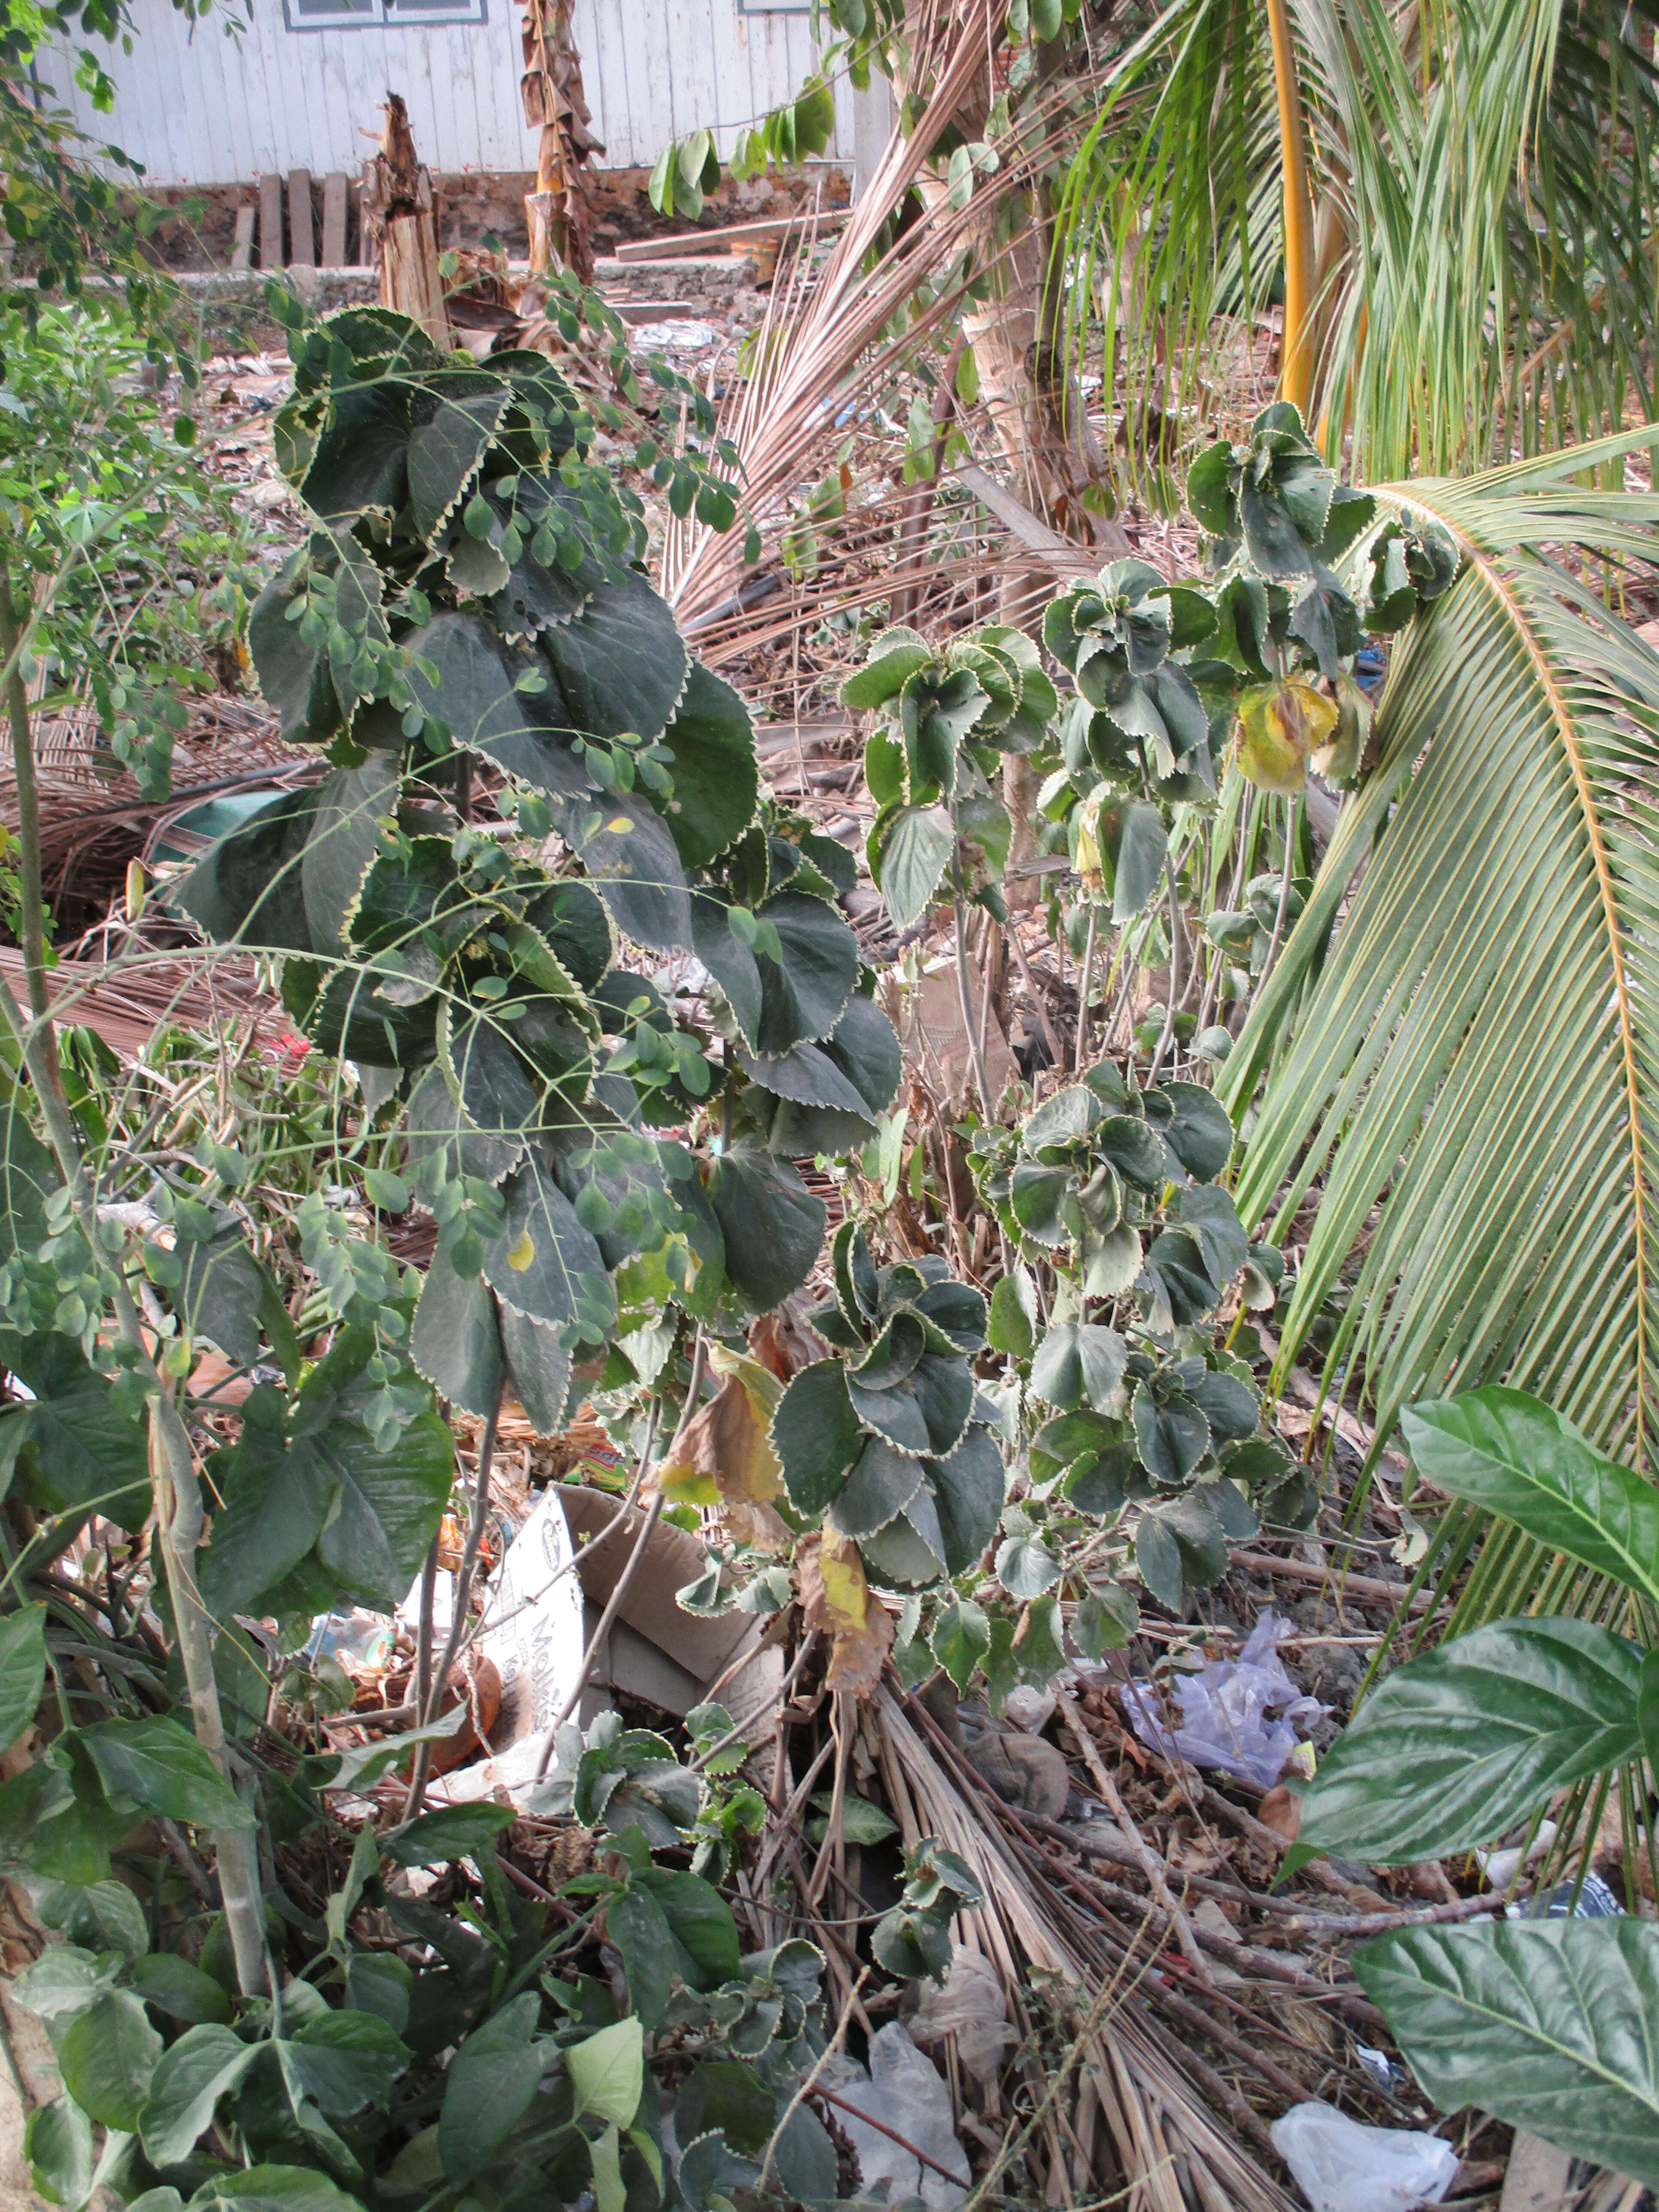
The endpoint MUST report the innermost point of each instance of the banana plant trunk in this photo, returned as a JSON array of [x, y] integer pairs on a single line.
[[410, 279], [559, 210]]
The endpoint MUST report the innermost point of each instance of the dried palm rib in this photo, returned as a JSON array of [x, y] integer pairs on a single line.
[[1151, 2105], [561, 209]]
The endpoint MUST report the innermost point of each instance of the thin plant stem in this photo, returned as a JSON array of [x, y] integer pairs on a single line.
[[1283, 899], [431, 1698], [1049, 1035], [1174, 971], [31, 927], [964, 992], [178, 1496], [1083, 984]]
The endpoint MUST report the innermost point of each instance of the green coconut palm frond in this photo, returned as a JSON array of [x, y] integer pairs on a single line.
[[1464, 1046], [1485, 206]]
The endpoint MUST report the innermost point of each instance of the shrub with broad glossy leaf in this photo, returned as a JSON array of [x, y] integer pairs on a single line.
[[1546, 2024]]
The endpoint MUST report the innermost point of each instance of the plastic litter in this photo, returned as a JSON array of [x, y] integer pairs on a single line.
[[1028, 1709], [1500, 1868], [1238, 1716], [360, 1641], [1340, 2165], [1596, 1901], [902, 2090], [972, 2006], [1386, 2072]]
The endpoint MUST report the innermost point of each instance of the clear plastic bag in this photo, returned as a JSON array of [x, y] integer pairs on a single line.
[[1238, 1716], [1341, 2166]]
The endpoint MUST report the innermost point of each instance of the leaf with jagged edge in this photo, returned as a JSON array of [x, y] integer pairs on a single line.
[[295, 678], [996, 676], [909, 849], [879, 1484], [453, 426], [909, 1553], [856, 1068], [621, 839], [360, 464], [772, 1223], [629, 855], [247, 886], [539, 596], [368, 336], [816, 1435], [389, 1504], [341, 1011], [495, 1094], [860, 1054], [599, 1146], [716, 778], [804, 998], [537, 965], [728, 960], [577, 924], [434, 1122], [544, 1264], [925, 1416], [896, 655], [346, 836], [475, 692], [359, 613], [968, 1487], [622, 663], [537, 1365], [455, 1341]]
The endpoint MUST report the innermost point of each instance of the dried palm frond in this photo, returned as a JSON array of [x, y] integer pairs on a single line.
[[1170, 2149], [841, 333], [125, 1002], [93, 818]]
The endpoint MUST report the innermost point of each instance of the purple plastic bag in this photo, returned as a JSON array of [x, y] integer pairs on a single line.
[[1238, 1716]]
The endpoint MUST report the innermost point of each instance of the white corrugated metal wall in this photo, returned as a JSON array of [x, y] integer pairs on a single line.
[[210, 109]]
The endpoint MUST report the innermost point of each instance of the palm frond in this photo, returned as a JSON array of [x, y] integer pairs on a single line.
[[1486, 189], [1473, 1069]]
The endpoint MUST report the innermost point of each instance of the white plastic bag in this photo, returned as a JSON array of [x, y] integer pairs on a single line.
[[906, 2093], [1225, 1709], [972, 2006], [1341, 2166]]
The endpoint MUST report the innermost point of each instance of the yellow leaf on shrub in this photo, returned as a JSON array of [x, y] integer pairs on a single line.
[[1278, 726], [836, 1598], [724, 1458], [1338, 758]]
